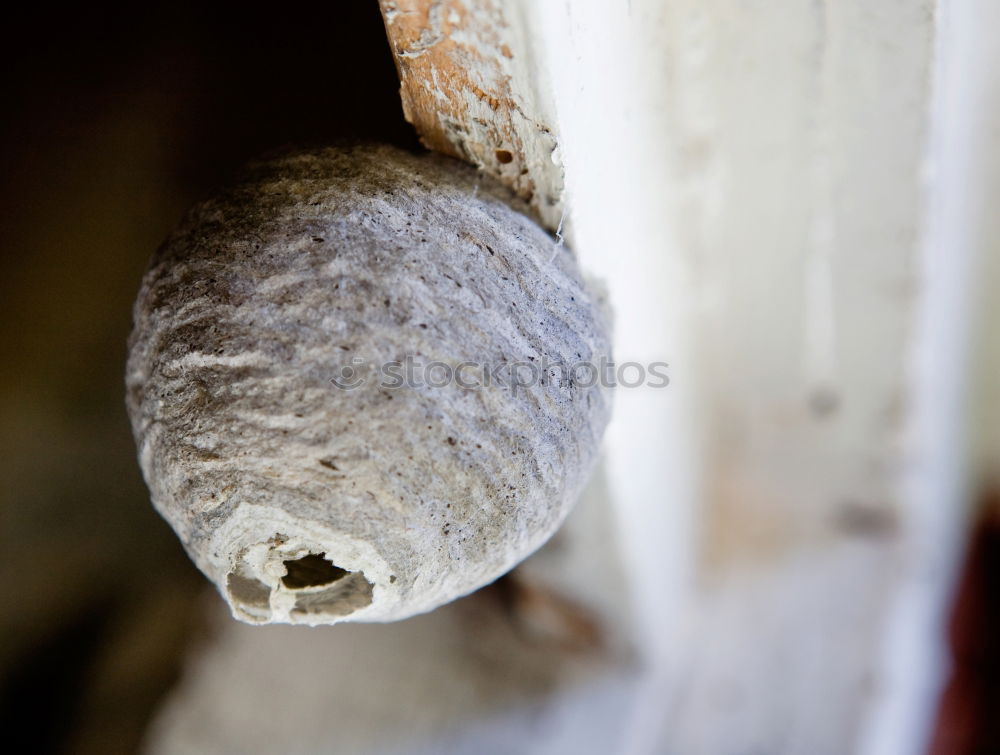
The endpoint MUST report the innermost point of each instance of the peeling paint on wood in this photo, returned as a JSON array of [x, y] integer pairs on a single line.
[[469, 87]]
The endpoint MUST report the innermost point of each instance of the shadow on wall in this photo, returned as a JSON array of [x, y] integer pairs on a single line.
[[115, 123]]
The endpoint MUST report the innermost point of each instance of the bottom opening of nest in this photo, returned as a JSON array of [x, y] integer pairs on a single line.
[[322, 589], [314, 570]]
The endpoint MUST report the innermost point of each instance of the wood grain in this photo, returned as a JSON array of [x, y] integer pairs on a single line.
[[469, 90]]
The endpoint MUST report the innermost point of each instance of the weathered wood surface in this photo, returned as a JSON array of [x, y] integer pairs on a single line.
[[473, 89]]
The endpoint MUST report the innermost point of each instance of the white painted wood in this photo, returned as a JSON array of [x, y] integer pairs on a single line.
[[955, 370], [766, 231]]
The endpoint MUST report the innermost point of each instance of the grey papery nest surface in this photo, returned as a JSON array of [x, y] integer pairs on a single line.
[[303, 480]]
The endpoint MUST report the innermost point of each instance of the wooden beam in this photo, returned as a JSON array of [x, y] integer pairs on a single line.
[[471, 89]]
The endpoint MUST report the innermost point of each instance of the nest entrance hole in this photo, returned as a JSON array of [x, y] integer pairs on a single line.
[[312, 570]]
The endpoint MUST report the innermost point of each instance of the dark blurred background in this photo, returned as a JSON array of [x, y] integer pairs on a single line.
[[116, 120]]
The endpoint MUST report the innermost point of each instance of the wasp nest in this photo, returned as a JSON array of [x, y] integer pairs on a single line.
[[350, 381]]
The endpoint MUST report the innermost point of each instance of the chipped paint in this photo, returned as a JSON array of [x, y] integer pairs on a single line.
[[468, 90]]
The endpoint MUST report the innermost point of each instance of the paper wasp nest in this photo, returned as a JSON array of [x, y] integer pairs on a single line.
[[288, 426]]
